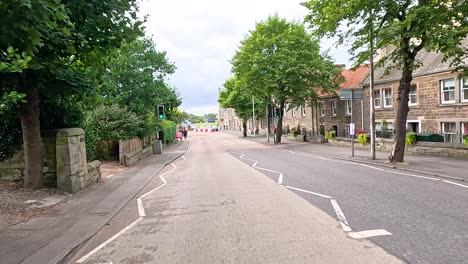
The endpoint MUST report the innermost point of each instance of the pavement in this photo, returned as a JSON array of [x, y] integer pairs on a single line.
[[211, 207], [50, 237], [443, 167]]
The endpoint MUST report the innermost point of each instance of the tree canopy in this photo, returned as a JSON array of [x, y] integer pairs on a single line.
[[404, 27], [280, 60]]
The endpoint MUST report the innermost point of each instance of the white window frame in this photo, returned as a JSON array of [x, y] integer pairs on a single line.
[[463, 88], [443, 127], [321, 109], [415, 121], [285, 112], [384, 98], [442, 100], [378, 99], [462, 127], [333, 107], [293, 112], [349, 108], [415, 94], [303, 110]]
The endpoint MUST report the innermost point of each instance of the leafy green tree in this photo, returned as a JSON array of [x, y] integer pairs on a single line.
[[279, 59], [134, 77], [235, 96], [408, 26], [56, 41]]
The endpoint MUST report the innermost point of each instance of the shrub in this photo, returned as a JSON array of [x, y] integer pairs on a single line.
[[110, 123], [410, 138], [168, 131], [465, 137], [330, 133], [10, 133], [294, 132], [362, 137]]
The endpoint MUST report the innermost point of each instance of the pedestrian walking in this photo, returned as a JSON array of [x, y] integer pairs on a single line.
[[185, 133]]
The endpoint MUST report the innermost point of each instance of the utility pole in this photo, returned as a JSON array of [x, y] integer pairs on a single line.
[[268, 121], [371, 90]]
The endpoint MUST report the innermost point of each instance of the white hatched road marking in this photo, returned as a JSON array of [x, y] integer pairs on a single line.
[[339, 213], [309, 192], [141, 213]]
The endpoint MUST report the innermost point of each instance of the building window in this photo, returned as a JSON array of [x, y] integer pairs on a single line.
[[333, 108], [377, 99], [464, 128], [413, 95], [464, 90], [285, 112], [349, 108], [303, 110], [293, 112], [387, 95], [447, 89], [449, 130], [321, 109]]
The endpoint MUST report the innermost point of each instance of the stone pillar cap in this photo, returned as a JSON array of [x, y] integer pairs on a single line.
[[69, 132]]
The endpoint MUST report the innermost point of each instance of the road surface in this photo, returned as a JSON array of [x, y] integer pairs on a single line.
[[230, 200]]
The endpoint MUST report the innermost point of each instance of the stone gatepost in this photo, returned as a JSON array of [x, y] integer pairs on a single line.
[[71, 160]]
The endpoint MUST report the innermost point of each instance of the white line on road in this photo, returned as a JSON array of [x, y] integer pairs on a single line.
[[345, 227], [260, 168], [110, 176], [454, 183], [141, 213], [85, 257], [369, 233], [338, 212], [309, 192], [183, 157], [141, 209], [280, 179]]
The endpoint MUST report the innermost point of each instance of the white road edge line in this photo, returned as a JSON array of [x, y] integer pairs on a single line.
[[85, 257], [260, 168], [345, 227], [338, 212], [141, 213], [309, 192], [454, 183], [280, 179], [112, 175], [369, 233]]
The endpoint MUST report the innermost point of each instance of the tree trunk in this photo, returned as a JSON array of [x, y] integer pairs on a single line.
[[279, 127], [29, 115], [398, 152], [244, 128]]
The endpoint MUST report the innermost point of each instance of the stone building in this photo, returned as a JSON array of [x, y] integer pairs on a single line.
[[438, 98], [228, 119], [329, 112]]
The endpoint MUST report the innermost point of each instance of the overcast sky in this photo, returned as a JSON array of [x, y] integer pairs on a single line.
[[200, 37]]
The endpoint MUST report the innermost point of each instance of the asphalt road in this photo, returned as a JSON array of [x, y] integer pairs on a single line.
[[427, 217], [212, 207]]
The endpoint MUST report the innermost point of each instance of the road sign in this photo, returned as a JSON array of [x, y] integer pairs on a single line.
[[352, 129], [351, 94]]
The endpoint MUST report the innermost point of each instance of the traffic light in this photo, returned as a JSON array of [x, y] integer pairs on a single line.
[[161, 114], [277, 113]]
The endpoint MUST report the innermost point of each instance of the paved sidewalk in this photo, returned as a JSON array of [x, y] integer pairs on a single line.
[[51, 236], [431, 165]]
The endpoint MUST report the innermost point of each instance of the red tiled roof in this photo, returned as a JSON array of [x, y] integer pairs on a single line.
[[352, 80]]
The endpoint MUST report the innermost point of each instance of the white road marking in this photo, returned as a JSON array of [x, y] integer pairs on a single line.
[[345, 227], [280, 179], [110, 176], [367, 166], [255, 164], [338, 212], [85, 257], [309, 192], [141, 209], [183, 157], [260, 168], [141, 213], [454, 183], [369, 233]]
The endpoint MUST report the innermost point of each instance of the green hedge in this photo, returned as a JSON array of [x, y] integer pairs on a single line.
[[168, 131]]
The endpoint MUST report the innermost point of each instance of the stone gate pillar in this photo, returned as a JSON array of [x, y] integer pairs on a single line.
[[71, 160]]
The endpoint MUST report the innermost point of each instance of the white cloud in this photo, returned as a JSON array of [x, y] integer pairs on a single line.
[[202, 36]]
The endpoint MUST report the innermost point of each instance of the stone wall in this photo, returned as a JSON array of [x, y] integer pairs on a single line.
[[12, 168], [458, 151]]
